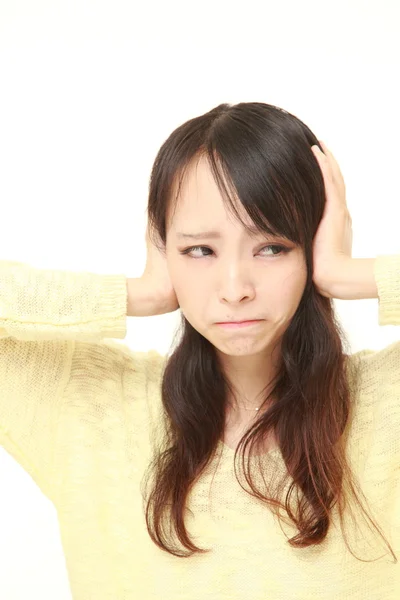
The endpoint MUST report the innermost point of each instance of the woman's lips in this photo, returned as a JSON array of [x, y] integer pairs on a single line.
[[239, 325]]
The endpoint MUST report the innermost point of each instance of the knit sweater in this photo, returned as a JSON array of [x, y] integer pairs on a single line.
[[81, 413]]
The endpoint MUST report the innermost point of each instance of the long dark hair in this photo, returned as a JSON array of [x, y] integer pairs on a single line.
[[264, 155]]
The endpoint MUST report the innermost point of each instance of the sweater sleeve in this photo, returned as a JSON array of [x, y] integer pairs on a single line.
[[387, 277], [39, 304], [42, 314]]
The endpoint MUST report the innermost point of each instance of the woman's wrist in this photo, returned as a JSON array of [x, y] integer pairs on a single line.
[[143, 299]]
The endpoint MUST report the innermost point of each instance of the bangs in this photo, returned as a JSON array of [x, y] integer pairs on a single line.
[[268, 201]]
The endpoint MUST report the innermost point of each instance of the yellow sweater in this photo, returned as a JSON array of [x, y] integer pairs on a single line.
[[80, 413]]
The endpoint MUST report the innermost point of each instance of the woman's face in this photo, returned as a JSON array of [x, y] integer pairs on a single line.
[[232, 276]]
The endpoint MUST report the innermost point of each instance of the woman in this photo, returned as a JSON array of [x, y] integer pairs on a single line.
[[257, 460]]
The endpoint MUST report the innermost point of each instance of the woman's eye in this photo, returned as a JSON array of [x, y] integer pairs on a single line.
[[278, 250], [192, 248]]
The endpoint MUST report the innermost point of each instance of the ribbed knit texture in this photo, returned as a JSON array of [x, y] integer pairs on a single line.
[[81, 414]]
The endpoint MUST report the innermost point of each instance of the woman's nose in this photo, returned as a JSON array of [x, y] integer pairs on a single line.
[[235, 283]]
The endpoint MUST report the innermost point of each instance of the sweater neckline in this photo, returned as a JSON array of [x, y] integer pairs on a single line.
[[230, 452]]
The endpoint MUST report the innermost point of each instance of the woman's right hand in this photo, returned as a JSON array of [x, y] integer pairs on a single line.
[[152, 293]]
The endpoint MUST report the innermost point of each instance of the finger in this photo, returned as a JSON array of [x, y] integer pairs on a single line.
[[330, 183], [331, 171], [337, 174], [324, 163], [333, 179], [324, 147]]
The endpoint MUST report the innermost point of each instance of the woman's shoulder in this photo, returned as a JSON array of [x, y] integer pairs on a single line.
[[376, 363], [118, 354], [375, 374]]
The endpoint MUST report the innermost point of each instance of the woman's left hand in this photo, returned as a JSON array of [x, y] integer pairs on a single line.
[[332, 245]]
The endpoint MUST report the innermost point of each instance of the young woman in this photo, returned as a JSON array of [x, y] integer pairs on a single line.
[[258, 459]]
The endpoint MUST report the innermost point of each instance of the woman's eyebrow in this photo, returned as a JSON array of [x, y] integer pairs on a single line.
[[210, 234]]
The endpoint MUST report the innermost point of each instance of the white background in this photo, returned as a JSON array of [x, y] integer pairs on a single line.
[[90, 89]]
